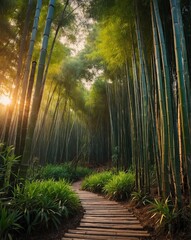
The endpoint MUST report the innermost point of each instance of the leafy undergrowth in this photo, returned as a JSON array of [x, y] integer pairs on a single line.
[[97, 181], [57, 234], [36, 207], [160, 217], [115, 186], [63, 171], [120, 186], [151, 222]]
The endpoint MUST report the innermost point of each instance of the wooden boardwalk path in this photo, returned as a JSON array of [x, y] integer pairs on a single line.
[[104, 219]]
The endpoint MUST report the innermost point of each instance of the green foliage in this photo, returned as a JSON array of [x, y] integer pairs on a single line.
[[9, 223], [97, 96], [97, 181], [98, 8], [139, 197], [115, 156], [170, 218], [65, 171], [97, 104], [112, 43], [164, 209], [43, 204], [116, 186], [120, 186], [82, 172], [6, 6], [7, 160]]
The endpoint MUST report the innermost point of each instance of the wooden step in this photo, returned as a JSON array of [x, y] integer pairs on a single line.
[[128, 218], [112, 230], [91, 237], [108, 233], [101, 220], [117, 226]]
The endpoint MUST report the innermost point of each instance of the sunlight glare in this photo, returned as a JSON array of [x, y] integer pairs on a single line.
[[5, 100]]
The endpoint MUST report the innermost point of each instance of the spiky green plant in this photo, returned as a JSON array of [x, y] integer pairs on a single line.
[[166, 212], [65, 171], [97, 181], [139, 197], [120, 186], [44, 203], [8, 159], [9, 223]]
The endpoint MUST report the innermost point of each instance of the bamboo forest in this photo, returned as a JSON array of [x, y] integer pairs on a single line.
[[95, 119]]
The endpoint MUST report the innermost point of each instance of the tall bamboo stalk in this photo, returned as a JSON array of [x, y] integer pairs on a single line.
[[182, 89], [38, 87], [163, 114], [23, 107], [15, 92]]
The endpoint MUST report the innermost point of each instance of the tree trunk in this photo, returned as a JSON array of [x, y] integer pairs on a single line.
[[38, 87]]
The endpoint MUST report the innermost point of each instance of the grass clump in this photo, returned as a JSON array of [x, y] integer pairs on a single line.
[[140, 198], [9, 223], [97, 181], [43, 204], [168, 218], [120, 186], [63, 171], [7, 161]]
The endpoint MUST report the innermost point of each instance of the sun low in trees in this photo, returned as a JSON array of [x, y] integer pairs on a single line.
[[137, 55], [16, 126]]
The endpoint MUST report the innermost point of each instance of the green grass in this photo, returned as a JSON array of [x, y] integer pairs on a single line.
[[7, 161], [115, 186], [120, 186], [140, 198], [97, 181], [43, 204], [63, 171], [9, 223]]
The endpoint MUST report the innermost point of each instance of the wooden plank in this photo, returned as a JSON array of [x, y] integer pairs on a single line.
[[113, 234], [115, 211], [117, 207], [106, 212], [110, 221], [112, 230], [109, 215], [76, 238], [117, 226], [82, 236], [102, 203], [106, 208], [73, 238], [94, 207], [113, 218]]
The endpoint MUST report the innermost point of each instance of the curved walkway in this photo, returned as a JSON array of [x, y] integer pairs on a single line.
[[104, 219]]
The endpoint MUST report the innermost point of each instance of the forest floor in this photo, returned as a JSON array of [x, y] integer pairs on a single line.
[[142, 212], [58, 234], [139, 210]]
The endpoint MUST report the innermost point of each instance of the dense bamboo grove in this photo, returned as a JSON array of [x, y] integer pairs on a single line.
[[137, 113], [154, 112]]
